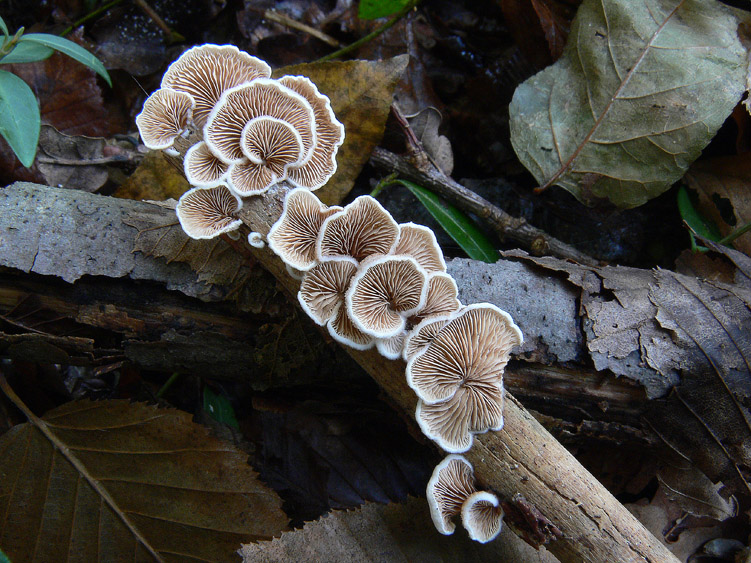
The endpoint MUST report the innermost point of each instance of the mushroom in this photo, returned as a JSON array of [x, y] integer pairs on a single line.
[[384, 292], [225, 130], [441, 297], [165, 116], [423, 334], [321, 296], [202, 167], [472, 349], [482, 516], [450, 485], [363, 228], [329, 135], [391, 348], [420, 243], [470, 410], [208, 212], [205, 71], [293, 237]]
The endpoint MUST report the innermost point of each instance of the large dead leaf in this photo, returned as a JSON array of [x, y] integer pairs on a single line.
[[116, 481], [724, 186], [641, 88], [392, 532], [361, 94]]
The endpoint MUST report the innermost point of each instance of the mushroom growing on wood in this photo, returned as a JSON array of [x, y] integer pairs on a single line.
[[450, 485], [422, 335], [329, 135], [442, 297], [384, 292], [206, 71], [482, 516], [202, 167], [293, 237], [208, 212], [420, 243], [165, 116], [363, 228]]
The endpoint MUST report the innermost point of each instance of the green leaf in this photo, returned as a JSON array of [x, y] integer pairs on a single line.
[[4, 29], [3, 557], [27, 53], [455, 223], [374, 9], [695, 220], [68, 48], [640, 90], [19, 117], [219, 408]]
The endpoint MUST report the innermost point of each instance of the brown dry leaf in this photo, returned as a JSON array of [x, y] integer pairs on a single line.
[[555, 25], [58, 155], [154, 179], [388, 532], [724, 186], [360, 94], [117, 481], [160, 235], [695, 493]]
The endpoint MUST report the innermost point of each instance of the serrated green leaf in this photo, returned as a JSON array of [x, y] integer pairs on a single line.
[[19, 117], [4, 29], [27, 53], [640, 90], [69, 48], [219, 408], [458, 226], [374, 9]]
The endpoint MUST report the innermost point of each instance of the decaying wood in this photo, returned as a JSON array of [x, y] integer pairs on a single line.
[[522, 458]]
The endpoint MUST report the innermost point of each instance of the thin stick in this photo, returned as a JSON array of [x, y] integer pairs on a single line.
[[278, 17]]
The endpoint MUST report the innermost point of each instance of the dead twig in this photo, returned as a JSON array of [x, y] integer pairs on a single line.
[[283, 19]]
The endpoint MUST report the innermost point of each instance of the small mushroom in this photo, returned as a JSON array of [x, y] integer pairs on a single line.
[[208, 212], [470, 410], [450, 485], [482, 516], [442, 296], [165, 116], [391, 348], [293, 237], [363, 228], [225, 130], [329, 135], [205, 71], [420, 243], [322, 294], [423, 334], [384, 292], [472, 349], [202, 167]]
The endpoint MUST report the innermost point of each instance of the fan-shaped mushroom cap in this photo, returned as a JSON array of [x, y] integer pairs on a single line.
[[202, 167], [470, 410], [208, 212], [362, 229], [420, 243], [329, 136], [164, 117], [471, 350], [391, 348], [423, 334], [206, 71], [293, 236], [384, 292], [482, 516], [323, 287], [342, 329], [224, 130], [450, 485], [442, 296]]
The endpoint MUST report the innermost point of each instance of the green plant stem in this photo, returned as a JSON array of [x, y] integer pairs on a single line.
[[370, 36], [9, 45], [385, 182], [90, 16], [168, 384], [735, 234]]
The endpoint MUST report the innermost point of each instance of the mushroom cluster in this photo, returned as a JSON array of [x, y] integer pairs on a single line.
[[375, 283], [451, 491], [238, 131]]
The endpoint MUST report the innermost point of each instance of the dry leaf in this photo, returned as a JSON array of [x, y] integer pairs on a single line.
[[695, 493], [391, 532], [114, 480], [58, 154], [155, 179], [724, 186], [361, 94], [640, 90]]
